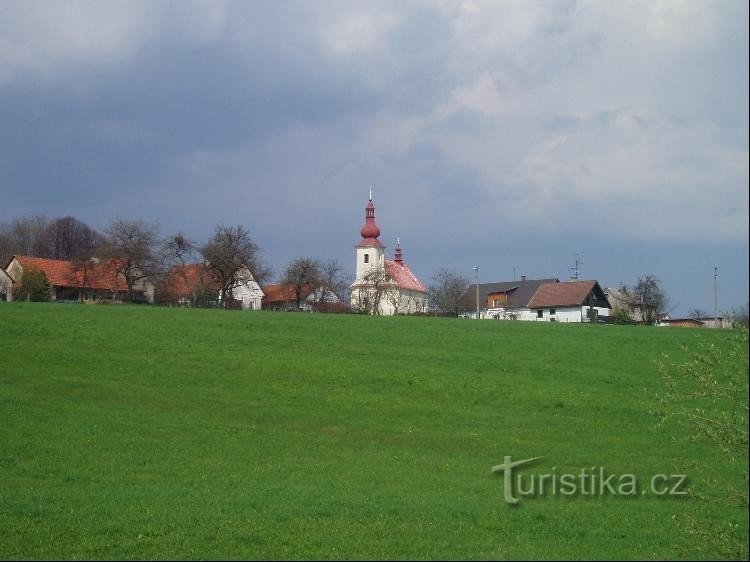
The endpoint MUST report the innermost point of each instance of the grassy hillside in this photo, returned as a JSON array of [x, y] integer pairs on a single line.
[[142, 432]]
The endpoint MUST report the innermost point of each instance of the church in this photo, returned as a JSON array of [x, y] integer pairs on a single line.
[[383, 286]]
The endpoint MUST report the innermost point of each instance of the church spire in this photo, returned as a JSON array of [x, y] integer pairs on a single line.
[[370, 231], [399, 257]]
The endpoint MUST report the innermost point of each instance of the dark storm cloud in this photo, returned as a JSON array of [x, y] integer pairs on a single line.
[[493, 133]]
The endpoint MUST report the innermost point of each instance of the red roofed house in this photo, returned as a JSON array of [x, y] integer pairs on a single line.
[[188, 285], [384, 286], [568, 301], [90, 280], [279, 296], [193, 283]]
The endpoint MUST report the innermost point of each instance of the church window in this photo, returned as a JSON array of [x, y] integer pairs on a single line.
[[367, 258]]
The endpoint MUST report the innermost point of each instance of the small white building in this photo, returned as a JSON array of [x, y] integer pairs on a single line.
[[246, 290], [385, 287], [6, 286], [568, 301]]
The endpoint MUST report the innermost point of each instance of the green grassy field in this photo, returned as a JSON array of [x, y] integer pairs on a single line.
[[143, 432]]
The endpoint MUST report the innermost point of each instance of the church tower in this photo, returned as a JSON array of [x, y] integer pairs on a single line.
[[370, 251], [397, 290]]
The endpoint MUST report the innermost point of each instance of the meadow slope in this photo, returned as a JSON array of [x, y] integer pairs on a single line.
[[145, 432]]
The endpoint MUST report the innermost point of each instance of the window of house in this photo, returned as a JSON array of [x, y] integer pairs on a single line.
[[551, 310], [495, 303], [540, 313], [367, 258]]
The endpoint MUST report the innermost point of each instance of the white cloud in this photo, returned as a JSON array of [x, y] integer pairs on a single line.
[[44, 38]]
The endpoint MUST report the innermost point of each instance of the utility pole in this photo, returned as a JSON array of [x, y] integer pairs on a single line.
[[476, 277], [716, 298]]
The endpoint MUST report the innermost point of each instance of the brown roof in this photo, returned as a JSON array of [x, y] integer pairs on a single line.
[[279, 292], [567, 293], [184, 281], [97, 275]]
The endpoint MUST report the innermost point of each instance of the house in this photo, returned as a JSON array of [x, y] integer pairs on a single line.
[[246, 290], [6, 286], [682, 323], [715, 322], [280, 296], [188, 285], [191, 284], [619, 301], [382, 286], [568, 301], [543, 300], [88, 281], [507, 299]]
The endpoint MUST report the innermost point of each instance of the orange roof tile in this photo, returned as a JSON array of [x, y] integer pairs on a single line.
[[101, 275], [279, 292], [183, 281]]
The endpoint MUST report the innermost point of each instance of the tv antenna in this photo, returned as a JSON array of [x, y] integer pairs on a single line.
[[576, 269]]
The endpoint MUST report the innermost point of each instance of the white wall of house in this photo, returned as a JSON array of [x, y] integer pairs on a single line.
[[250, 293], [6, 286], [308, 304], [561, 314]]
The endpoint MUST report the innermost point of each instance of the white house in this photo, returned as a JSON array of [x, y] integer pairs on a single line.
[[383, 286], [246, 290], [568, 301], [547, 300], [6, 286]]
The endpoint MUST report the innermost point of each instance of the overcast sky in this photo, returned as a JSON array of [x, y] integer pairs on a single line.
[[493, 133]]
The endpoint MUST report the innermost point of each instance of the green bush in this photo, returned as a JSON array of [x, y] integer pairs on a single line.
[[34, 287], [621, 316]]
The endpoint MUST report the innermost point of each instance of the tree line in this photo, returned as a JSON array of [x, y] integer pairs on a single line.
[[140, 252]]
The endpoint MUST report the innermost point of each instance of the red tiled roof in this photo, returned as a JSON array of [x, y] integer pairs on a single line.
[[183, 281], [279, 292], [567, 293], [101, 275], [403, 277]]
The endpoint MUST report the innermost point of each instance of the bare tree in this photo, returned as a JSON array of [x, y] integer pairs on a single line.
[[69, 239], [302, 275], [22, 236], [739, 317], [648, 298], [449, 292], [133, 244], [371, 290], [175, 252], [229, 255], [697, 313], [334, 282]]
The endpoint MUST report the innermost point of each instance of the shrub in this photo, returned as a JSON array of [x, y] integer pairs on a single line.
[[34, 287]]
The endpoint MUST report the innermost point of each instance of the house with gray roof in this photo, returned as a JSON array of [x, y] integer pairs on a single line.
[[547, 300]]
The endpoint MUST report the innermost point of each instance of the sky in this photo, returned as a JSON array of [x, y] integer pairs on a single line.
[[507, 135]]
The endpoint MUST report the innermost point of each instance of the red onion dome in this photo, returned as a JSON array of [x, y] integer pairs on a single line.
[[370, 230]]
